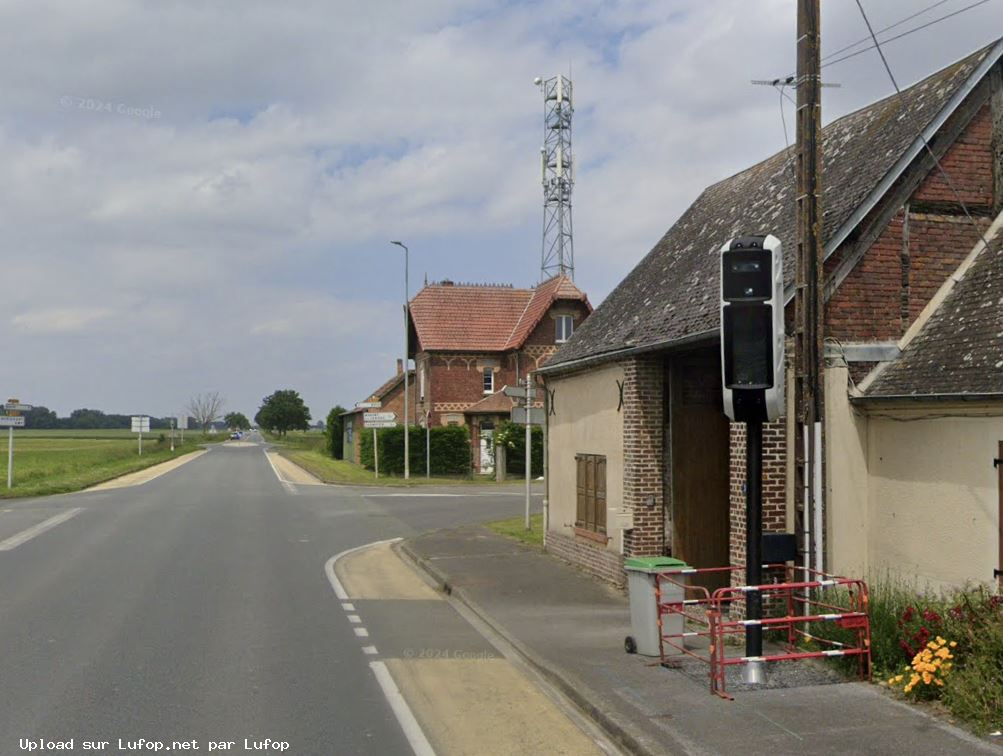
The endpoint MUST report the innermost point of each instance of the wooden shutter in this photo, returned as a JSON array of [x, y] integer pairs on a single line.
[[600, 494], [581, 515]]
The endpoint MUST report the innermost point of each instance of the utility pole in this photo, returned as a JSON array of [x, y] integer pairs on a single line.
[[407, 348], [529, 442], [809, 389]]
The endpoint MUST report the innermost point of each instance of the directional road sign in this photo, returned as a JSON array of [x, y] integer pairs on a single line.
[[515, 392], [140, 424], [535, 417], [382, 424], [368, 405], [380, 416], [11, 421], [15, 406]]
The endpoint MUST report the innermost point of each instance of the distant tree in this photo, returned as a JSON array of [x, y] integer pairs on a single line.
[[205, 409], [335, 427], [87, 419], [236, 420], [41, 417], [283, 411]]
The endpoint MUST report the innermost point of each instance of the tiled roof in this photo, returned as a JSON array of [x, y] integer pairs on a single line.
[[383, 390], [550, 291], [495, 404], [450, 317], [959, 351], [673, 294]]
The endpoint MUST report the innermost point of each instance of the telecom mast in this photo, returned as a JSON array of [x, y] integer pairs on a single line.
[[558, 174]]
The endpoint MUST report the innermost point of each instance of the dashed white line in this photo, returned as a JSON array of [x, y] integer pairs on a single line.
[[355, 619], [370, 650], [348, 607], [36, 530], [362, 632]]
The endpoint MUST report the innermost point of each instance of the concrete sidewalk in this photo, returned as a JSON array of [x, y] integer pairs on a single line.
[[571, 628]]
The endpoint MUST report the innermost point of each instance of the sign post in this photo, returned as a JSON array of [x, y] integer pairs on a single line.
[[12, 419], [140, 425], [182, 423], [376, 420], [529, 416]]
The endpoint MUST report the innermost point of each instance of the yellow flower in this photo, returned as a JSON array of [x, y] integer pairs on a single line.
[[941, 641], [953, 644], [939, 682], [943, 653]]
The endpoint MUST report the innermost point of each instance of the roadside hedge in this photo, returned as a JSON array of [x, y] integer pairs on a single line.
[[513, 437], [450, 450]]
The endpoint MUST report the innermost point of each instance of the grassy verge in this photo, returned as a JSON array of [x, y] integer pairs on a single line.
[[308, 450], [515, 528], [61, 461], [342, 472]]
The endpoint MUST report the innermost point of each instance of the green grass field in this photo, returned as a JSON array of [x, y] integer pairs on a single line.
[[60, 461]]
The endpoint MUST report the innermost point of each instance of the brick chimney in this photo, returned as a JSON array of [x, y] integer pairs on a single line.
[[400, 366], [445, 282]]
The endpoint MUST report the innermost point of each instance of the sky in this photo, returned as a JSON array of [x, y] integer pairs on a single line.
[[200, 196]]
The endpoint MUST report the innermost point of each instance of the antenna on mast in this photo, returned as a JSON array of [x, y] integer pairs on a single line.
[[558, 176]]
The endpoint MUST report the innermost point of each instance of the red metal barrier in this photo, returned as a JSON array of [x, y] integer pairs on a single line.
[[801, 601]]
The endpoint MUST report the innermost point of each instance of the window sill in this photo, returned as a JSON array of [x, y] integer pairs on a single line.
[[591, 535]]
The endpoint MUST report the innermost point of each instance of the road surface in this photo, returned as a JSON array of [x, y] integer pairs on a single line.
[[196, 608]]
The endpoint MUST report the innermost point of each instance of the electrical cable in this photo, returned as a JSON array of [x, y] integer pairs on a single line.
[[904, 34], [919, 132]]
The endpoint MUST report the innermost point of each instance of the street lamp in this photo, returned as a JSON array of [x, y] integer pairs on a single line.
[[407, 462]]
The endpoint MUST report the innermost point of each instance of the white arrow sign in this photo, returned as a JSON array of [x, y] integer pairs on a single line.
[[11, 421], [368, 405], [377, 417], [382, 424], [17, 407]]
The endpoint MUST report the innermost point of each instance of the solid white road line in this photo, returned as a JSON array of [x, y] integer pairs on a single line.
[[443, 495], [290, 488], [332, 577], [36, 530], [412, 730]]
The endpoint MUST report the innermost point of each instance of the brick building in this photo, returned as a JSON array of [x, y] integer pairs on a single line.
[[470, 341], [391, 398], [643, 461]]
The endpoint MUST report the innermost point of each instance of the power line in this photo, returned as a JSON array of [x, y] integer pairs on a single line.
[[903, 34], [919, 132], [898, 23]]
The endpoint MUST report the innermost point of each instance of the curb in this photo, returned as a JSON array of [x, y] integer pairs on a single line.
[[618, 731]]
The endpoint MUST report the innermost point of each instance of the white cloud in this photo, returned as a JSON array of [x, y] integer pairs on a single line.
[[295, 139]]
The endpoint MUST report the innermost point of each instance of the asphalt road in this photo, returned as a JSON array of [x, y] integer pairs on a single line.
[[195, 607]]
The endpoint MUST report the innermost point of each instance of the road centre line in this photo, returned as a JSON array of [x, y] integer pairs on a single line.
[[36, 530], [361, 632]]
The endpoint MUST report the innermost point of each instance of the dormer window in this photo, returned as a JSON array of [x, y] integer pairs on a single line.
[[565, 325], [489, 381]]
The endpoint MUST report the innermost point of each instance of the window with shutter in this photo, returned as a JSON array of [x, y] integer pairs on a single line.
[[591, 490]]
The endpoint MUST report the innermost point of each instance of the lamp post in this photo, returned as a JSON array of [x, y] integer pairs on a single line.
[[407, 462]]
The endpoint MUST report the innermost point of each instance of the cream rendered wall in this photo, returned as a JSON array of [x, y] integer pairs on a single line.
[[934, 497], [910, 492], [847, 494], [585, 421]]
